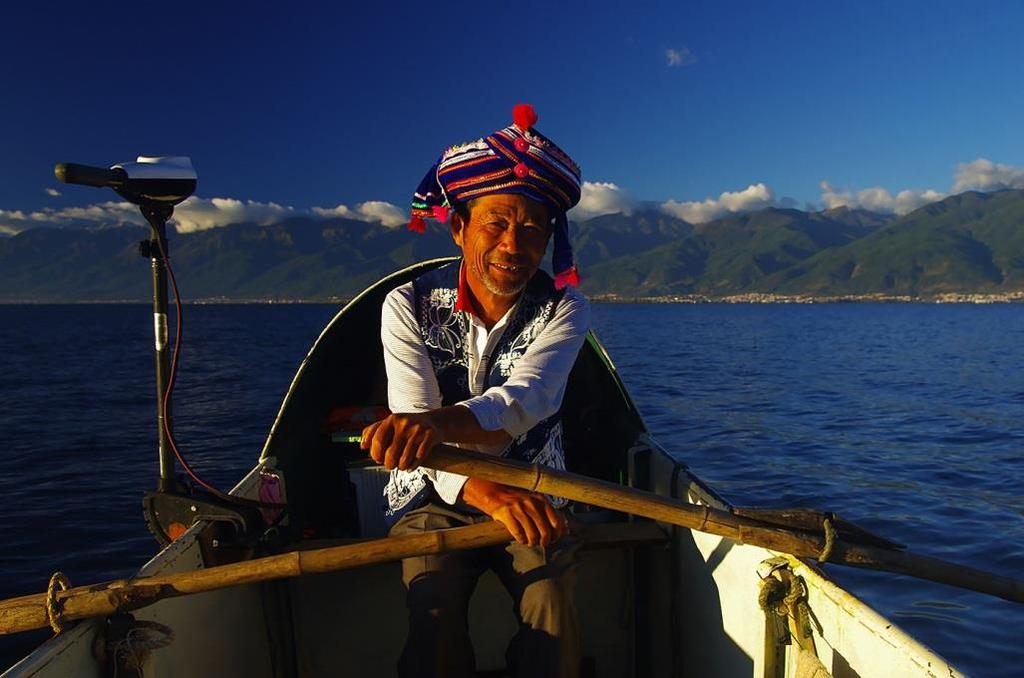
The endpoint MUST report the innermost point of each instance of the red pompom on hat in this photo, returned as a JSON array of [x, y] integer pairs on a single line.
[[523, 116]]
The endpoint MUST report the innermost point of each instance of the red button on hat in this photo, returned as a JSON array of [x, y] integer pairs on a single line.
[[521, 170], [522, 145]]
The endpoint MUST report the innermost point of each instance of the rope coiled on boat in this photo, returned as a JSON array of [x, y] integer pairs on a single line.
[[54, 609], [783, 593], [796, 603], [772, 592], [830, 541], [144, 636], [126, 643]]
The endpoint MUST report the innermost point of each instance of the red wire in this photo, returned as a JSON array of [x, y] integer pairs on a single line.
[[167, 399]]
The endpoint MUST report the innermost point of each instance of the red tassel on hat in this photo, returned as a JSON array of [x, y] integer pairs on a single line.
[[568, 277], [523, 116], [417, 224]]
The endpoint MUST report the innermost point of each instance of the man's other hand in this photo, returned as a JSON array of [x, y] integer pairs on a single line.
[[401, 441], [529, 516]]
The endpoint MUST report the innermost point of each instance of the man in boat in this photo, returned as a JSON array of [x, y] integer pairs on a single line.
[[477, 354]]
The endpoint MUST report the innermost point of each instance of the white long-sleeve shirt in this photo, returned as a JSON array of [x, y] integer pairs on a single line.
[[532, 392]]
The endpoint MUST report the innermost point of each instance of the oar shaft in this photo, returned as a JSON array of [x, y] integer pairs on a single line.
[[29, 612], [601, 493]]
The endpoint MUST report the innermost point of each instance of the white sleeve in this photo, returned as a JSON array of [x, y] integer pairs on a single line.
[[412, 384], [536, 386]]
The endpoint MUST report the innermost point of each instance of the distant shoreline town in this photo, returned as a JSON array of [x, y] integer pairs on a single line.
[[747, 298], [757, 298]]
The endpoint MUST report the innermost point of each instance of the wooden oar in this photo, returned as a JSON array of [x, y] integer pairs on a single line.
[[30, 612], [705, 519]]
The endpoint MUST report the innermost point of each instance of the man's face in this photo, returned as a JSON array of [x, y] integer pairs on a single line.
[[503, 242]]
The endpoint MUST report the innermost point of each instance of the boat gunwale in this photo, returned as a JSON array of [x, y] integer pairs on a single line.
[[699, 491]]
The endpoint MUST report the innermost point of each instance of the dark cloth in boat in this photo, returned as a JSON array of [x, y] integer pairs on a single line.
[[540, 580]]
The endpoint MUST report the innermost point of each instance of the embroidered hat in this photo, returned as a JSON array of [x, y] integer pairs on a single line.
[[517, 159]]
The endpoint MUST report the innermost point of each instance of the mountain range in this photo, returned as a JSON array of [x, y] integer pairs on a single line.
[[971, 243]]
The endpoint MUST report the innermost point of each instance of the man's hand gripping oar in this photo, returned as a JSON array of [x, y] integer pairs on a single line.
[[403, 441]]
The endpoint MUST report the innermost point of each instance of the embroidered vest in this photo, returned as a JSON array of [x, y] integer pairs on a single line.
[[445, 333]]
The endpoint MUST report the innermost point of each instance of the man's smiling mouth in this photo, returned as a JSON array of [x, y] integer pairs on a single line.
[[507, 267]]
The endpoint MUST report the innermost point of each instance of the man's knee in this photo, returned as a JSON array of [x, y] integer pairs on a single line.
[[548, 642], [548, 604]]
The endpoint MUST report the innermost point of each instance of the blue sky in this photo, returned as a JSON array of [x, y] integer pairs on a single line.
[[301, 106]]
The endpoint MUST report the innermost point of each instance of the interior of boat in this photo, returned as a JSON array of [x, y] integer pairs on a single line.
[[335, 493]]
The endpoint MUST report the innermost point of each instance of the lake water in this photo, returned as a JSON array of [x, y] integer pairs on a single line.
[[908, 419]]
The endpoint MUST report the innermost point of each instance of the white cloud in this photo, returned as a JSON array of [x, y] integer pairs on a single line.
[[104, 213], [601, 197], [677, 58], [753, 197], [878, 199], [979, 175], [52, 192], [101, 213], [13, 215], [200, 214], [985, 175], [197, 214], [386, 213]]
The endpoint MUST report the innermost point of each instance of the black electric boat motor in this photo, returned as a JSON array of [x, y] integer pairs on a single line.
[[166, 180]]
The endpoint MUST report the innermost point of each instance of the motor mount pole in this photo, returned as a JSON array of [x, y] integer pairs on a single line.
[[157, 215], [156, 184]]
